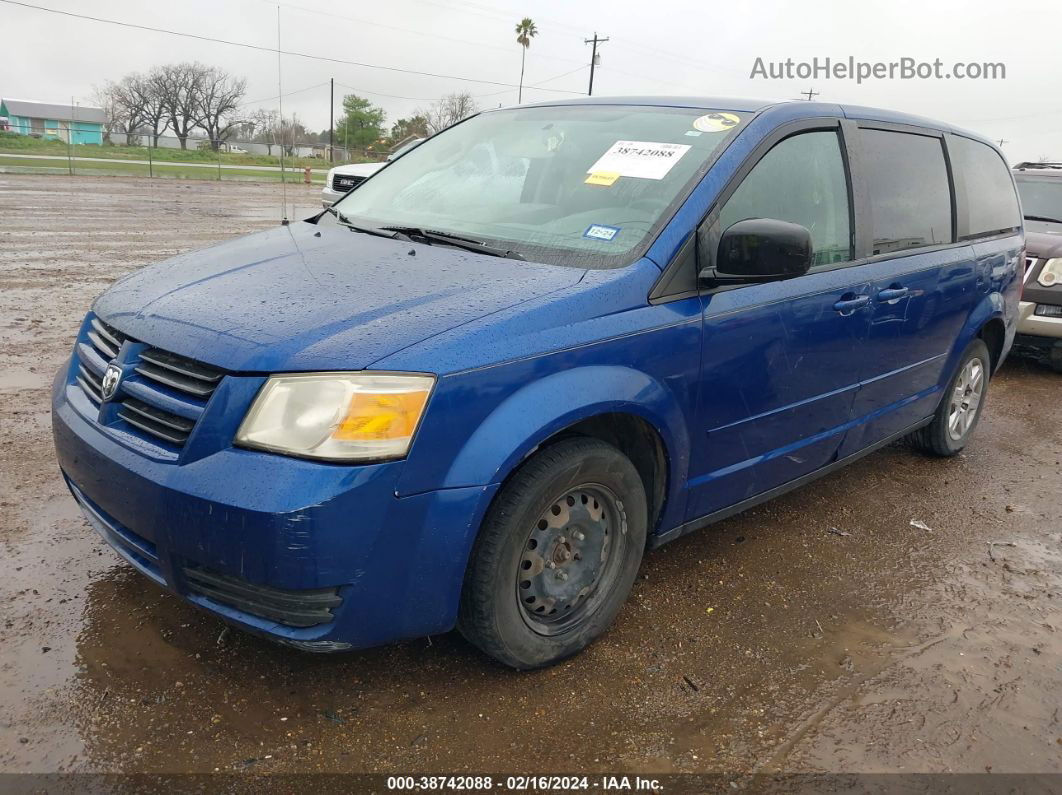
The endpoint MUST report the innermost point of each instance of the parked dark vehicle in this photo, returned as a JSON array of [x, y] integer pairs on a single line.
[[1040, 322], [477, 388]]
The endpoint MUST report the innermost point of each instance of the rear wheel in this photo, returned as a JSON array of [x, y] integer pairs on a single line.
[[557, 555], [960, 409]]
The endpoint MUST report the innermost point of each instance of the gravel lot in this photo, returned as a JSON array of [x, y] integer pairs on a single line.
[[820, 632]]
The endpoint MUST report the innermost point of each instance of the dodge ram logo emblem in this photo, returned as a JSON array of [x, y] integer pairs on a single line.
[[111, 376]]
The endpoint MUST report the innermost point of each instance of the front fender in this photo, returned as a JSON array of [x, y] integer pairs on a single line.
[[537, 411]]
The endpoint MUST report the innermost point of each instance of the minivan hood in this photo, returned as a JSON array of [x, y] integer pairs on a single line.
[[307, 297]]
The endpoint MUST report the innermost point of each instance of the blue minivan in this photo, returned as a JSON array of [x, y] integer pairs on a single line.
[[474, 391]]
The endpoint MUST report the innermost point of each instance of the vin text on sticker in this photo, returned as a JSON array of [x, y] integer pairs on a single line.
[[644, 159]]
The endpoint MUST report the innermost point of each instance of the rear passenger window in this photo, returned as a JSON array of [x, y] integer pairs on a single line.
[[991, 202], [802, 181], [910, 196]]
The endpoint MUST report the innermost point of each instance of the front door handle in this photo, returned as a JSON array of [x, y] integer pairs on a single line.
[[850, 302], [893, 293]]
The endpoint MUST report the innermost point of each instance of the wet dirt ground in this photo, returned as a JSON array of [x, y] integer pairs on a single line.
[[819, 632]]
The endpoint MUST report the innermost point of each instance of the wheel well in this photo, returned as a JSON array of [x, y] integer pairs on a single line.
[[994, 333], [636, 439]]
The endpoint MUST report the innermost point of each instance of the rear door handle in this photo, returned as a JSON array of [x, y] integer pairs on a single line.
[[893, 294], [849, 303]]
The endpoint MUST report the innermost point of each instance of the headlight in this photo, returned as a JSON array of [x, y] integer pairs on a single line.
[[337, 416], [1051, 273]]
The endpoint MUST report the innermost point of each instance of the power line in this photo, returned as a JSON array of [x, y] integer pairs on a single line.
[[491, 94], [389, 96], [491, 13], [276, 50], [286, 94], [537, 86], [399, 29], [483, 11]]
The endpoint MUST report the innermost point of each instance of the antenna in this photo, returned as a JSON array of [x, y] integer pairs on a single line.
[[280, 101]]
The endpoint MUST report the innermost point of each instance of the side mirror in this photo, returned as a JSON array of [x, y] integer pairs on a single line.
[[760, 250]]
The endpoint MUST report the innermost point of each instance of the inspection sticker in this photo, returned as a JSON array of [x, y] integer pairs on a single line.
[[605, 178], [601, 232], [644, 159], [716, 122]]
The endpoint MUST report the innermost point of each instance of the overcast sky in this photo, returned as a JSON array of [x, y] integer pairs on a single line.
[[662, 47]]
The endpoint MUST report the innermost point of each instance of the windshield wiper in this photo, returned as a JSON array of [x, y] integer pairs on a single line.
[[1046, 218], [446, 238], [392, 234]]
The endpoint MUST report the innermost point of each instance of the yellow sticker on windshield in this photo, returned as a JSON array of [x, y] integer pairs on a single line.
[[604, 178], [716, 122]]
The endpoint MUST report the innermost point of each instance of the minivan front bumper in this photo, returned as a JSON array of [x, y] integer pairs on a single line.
[[319, 556]]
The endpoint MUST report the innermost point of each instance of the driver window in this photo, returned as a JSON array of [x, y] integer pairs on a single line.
[[802, 181]]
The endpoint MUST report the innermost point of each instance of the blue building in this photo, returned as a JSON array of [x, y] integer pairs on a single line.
[[75, 124]]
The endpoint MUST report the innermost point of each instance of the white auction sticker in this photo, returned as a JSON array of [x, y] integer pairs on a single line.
[[644, 159]]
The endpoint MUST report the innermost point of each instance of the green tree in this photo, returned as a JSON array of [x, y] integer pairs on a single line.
[[362, 123], [403, 128], [525, 31]]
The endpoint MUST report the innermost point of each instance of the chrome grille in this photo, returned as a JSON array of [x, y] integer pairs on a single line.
[[101, 347], [90, 383], [160, 400], [346, 181], [170, 395], [180, 373], [159, 423], [105, 339]]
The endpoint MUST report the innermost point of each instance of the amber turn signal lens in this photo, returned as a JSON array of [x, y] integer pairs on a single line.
[[381, 416]]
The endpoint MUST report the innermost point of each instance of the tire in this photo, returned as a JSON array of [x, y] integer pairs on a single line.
[[556, 556], [957, 415]]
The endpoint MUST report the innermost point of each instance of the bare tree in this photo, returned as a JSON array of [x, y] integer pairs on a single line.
[[448, 111], [218, 96], [178, 86], [123, 106], [153, 106], [103, 98], [290, 131], [266, 128]]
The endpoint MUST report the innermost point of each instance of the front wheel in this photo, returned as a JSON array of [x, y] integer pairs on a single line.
[[961, 407], [556, 556]]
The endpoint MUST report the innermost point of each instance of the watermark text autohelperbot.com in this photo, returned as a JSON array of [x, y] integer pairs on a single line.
[[851, 68]]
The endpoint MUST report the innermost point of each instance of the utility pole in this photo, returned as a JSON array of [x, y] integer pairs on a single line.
[[331, 117], [593, 59], [810, 93], [1002, 141]]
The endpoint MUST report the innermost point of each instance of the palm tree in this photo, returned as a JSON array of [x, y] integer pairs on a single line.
[[525, 31]]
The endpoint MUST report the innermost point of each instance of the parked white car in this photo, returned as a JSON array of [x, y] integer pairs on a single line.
[[343, 178]]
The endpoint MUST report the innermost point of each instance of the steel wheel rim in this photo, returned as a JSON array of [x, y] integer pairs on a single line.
[[965, 399], [570, 559]]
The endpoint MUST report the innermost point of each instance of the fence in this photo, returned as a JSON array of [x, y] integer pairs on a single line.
[[115, 154]]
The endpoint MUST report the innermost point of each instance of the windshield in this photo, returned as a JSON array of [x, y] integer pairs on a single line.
[[574, 185], [1041, 197]]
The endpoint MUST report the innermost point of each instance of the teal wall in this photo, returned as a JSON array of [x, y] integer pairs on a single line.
[[84, 132]]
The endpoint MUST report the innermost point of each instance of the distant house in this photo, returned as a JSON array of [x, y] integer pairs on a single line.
[[76, 124]]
